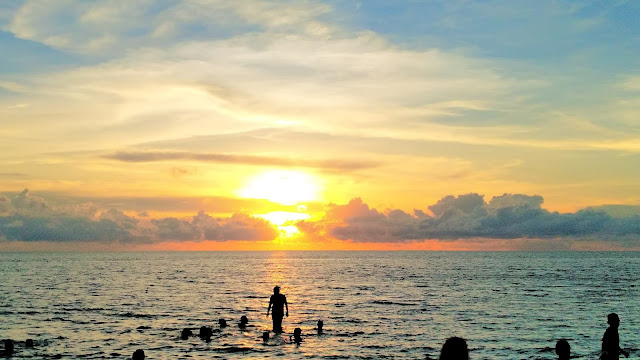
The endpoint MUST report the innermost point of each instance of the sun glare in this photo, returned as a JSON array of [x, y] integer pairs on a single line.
[[283, 186], [285, 220]]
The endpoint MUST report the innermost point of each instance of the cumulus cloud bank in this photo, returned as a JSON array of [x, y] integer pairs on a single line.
[[29, 218], [510, 216], [513, 218]]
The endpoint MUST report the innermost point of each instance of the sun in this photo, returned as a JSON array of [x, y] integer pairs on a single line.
[[285, 221], [286, 187]]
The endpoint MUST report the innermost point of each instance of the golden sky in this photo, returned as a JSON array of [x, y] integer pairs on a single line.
[[259, 125]]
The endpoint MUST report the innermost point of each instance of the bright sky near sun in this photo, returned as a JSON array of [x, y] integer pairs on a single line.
[[312, 125]]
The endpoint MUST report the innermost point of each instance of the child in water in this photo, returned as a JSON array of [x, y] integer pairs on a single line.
[[611, 340], [297, 336]]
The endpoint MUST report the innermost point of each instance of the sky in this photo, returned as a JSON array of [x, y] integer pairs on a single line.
[[309, 125]]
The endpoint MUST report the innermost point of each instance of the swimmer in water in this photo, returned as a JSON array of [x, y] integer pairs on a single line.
[[563, 350], [243, 322], [297, 336], [138, 355], [185, 334]]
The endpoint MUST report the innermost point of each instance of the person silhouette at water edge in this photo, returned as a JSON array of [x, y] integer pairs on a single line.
[[278, 302], [455, 348], [563, 349], [611, 340]]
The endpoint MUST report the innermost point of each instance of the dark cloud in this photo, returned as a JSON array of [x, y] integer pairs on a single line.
[[28, 218], [510, 216], [63, 229], [328, 164], [236, 227], [13, 175]]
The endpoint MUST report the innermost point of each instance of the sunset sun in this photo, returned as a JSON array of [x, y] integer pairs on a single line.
[[285, 187]]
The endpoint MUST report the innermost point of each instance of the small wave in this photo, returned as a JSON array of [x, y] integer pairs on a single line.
[[141, 316], [386, 302]]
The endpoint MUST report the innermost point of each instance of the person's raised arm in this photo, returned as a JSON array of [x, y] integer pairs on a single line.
[[270, 303]]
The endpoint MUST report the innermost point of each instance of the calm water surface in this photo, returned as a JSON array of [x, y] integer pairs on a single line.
[[375, 305]]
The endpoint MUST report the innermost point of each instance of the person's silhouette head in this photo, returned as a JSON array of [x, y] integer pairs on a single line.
[[205, 332], [455, 348], [222, 323], [320, 325], [297, 335], [563, 349], [276, 290], [243, 321], [29, 343], [138, 355], [265, 336], [613, 320], [186, 333]]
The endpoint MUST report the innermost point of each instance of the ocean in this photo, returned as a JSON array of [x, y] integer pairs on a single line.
[[375, 305]]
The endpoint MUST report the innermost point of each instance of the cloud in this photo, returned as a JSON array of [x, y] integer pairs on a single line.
[[154, 156], [96, 27], [236, 227], [31, 219], [510, 216]]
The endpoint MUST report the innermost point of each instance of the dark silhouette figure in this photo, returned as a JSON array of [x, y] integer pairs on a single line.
[[611, 340], [320, 325], [243, 322], [297, 336], [455, 348], [206, 333], [265, 336], [185, 334], [563, 349], [138, 355], [8, 347], [278, 302], [29, 343], [222, 323]]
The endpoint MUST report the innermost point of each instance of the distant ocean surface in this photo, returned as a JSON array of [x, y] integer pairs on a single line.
[[375, 305]]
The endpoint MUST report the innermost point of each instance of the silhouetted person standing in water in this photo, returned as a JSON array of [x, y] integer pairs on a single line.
[[611, 340], [278, 301], [563, 349], [454, 348]]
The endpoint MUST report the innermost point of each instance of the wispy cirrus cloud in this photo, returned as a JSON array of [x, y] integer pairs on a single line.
[[328, 164], [100, 27]]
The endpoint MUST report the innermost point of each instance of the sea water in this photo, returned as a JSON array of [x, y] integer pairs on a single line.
[[375, 305]]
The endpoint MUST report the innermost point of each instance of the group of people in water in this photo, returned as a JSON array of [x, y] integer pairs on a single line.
[[277, 306], [455, 348]]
